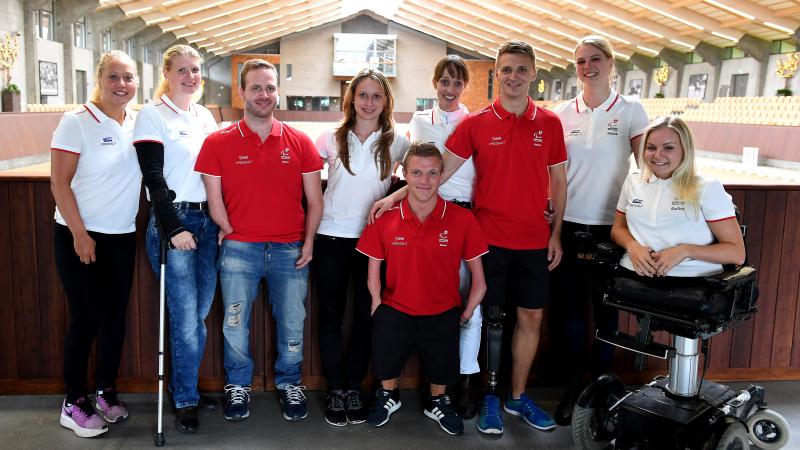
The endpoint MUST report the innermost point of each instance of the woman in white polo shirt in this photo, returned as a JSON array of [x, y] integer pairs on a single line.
[[168, 135], [671, 221], [361, 153], [601, 130], [450, 78], [96, 183]]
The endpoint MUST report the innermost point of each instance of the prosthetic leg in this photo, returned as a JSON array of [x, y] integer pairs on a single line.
[[494, 343]]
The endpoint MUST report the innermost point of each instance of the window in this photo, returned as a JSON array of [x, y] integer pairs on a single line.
[[289, 72], [353, 52], [80, 86], [297, 103], [129, 47], [44, 23], [739, 84], [425, 103], [491, 84], [733, 53], [105, 41], [146, 54], [693, 58], [79, 33], [783, 46]]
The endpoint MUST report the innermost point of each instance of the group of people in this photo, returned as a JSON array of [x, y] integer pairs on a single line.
[[487, 221]]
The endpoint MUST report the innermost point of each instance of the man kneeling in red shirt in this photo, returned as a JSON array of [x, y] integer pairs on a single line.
[[423, 241]]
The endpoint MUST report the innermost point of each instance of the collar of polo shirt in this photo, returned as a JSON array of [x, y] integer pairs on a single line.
[[437, 213], [501, 113], [245, 131], [609, 103]]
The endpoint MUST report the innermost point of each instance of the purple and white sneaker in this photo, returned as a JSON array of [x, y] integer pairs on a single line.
[[81, 418], [109, 406]]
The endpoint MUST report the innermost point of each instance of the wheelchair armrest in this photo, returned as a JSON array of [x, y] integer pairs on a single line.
[[732, 278], [609, 253]]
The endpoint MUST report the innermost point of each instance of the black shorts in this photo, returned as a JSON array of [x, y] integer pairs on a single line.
[[516, 277], [395, 336]]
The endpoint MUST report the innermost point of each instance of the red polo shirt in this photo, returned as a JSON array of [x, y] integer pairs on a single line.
[[423, 258], [262, 183], [512, 156]]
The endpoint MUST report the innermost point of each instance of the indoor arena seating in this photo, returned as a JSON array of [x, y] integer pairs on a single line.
[[656, 107], [777, 111]]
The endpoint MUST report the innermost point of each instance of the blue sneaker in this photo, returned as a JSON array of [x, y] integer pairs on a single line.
[[293, 401], [489, 420], [238, 398], [530, 413]]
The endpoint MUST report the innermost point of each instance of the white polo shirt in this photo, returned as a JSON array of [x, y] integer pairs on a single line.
[[108, 180], [598, 147], [434, 126], [347, 197], [659, 220], [182, 133]]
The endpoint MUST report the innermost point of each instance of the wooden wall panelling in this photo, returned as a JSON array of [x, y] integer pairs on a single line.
[[8, 332], [789, 275], [769, 271], [52, 301], [26, 296], [147, 304]]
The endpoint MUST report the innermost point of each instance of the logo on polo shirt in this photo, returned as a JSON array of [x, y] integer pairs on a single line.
[[399, 240], [108, 141], [637, 203], [678, 205], [285, 158], [443, 239], [538, 138], [497, 140], [244, 159], [613, 127], [576, 132], [183, 133]]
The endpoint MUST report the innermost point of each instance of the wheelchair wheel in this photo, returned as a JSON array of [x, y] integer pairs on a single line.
[[768, 429], [590, 416], [734, 437]]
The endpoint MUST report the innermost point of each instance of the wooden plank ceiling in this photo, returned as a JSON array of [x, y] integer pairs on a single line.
[[221, 27]]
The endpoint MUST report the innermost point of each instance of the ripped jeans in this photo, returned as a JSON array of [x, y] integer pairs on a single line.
[[242, 265]]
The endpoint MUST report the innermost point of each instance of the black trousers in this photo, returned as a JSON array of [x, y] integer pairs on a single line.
[[573, 289], [98, 299], [336, 261]]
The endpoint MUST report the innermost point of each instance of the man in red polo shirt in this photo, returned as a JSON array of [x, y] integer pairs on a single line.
[[256, 172], [519, 155], [422, 241]]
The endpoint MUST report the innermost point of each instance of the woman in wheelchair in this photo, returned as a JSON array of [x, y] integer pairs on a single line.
[[671, 221]]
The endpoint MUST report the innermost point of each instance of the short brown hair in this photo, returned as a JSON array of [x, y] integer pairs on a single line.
[[517, 47], [454, 65], [422, 150], [254, 64]]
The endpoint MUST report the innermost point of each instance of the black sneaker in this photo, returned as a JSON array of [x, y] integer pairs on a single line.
[[385, 403], [238, 399], [334, 409], [293, 401], [441, 409], [205, 403], [356, 410]]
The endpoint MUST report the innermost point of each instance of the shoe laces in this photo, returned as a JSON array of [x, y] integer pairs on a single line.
[[491, 406], [85, 407], [294, 394], [354, 400], [445, 404], [528, 407], [335, 401], [109, 395], [237, 394]]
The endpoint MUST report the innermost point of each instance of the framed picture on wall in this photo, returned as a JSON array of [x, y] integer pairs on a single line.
[[697, 85], [557, 90], [635, 88], [48, 78]]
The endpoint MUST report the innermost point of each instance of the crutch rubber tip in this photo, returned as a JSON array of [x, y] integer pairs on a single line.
[[160, 440]]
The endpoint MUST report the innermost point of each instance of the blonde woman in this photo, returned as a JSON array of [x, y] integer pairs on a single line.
[[601, 130], [96, 182], [168, 135], [361, 153], [695, 230]]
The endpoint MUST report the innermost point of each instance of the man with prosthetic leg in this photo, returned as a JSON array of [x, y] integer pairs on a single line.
[[519, 155]]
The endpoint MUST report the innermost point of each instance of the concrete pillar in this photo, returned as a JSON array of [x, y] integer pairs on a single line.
[[646, 64], [622, 72], [31, 54], [65, 34], [759, 50], [712, 55]]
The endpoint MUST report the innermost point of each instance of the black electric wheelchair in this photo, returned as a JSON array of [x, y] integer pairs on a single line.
[[680, 410]]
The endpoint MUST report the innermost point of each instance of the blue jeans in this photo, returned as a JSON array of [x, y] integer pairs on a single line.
[[191, 281], [241, 266]]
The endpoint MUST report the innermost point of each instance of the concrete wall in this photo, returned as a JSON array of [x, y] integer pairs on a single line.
[[83, 59], [635, 75], [13, 22], [732, 67], [417, 55], [773, 82], [694, 69], [311, 55], [53, 52]]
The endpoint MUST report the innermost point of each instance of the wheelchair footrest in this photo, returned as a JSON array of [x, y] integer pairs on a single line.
[[629, 342]]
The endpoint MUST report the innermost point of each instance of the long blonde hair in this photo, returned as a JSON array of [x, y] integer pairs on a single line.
[[105, 60], [166, 64], [602, 44], [684, 178], [381, 149]]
